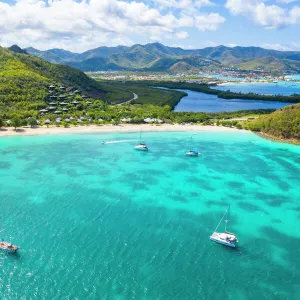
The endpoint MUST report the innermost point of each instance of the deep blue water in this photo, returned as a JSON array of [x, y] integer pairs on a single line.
[[200, 102]]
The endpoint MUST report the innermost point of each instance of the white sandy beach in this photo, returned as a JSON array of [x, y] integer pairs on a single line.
[[25, 131]]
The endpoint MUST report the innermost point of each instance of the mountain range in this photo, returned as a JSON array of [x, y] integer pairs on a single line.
[[156, 57]]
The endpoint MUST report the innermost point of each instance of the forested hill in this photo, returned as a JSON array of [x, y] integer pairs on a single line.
[[283, 123], [25, 81], [21, 70]]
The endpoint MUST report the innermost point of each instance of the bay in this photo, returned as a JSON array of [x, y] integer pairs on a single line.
[[101, 221]]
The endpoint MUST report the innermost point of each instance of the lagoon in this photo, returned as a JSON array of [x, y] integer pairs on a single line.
[[200, 102], [106, 222]]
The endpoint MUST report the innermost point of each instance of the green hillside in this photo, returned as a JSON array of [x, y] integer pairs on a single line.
[[270, 64], [180, 64], [283, 123], [25, 81]]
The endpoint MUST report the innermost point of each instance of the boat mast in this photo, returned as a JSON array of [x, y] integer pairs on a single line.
[[227, 220], [221, 221], [140, 136], [190, 144]]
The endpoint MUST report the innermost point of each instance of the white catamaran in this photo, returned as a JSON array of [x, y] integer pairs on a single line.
[[192, 152], [226, 238], [141, 146]]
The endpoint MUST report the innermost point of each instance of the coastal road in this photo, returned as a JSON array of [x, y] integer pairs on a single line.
[[135, 96]]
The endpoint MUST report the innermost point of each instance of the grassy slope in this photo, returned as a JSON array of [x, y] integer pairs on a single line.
[[146, 94]]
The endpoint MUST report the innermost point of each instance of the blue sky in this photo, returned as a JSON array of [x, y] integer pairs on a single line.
[[79, 25]]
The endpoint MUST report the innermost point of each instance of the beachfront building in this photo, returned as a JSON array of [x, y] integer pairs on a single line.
[[128, 120]]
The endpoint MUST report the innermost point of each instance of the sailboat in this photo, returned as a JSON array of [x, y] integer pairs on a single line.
[[225, 238], [8, 246], [192, 152], [141, 146]]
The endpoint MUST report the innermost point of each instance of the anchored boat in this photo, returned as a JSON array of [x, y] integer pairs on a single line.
[[8, 246], [192, 152], [141, 146], [225, 238]]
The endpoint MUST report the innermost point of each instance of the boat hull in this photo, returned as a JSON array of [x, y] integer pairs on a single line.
[[222, 242], [8, 247], [9, 251], [140, 148], [192, 154]]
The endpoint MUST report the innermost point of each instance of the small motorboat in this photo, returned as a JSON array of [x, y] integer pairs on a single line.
[[225, 238], [8, 247], [141, 147]]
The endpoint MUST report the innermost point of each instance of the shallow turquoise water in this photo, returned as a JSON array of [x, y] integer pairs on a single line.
[[285, 88], [106, 222]]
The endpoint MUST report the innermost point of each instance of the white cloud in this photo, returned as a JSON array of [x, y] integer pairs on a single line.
[[231, 45], [267, 16], [292, 46], [275, 47], [209, 22], [210, 44], [182, 35], [286, 1], [82, 24], [183, 4]]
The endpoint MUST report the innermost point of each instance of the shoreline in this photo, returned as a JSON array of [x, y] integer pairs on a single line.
[[278, 139], [129, 128], [55, 130]]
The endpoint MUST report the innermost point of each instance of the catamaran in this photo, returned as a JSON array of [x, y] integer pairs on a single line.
[[8, 246], [192, 152], [225, 238], [141, 146]]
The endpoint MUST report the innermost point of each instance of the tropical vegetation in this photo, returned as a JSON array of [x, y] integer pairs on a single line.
[[283, 123], [34, 92]]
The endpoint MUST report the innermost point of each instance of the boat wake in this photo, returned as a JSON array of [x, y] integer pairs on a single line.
[[118, 141]]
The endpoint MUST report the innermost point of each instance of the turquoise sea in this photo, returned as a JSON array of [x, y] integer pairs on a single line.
[[101, 221], [285, 88]]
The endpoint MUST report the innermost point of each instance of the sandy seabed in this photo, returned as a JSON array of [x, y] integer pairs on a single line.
[[9, 131]]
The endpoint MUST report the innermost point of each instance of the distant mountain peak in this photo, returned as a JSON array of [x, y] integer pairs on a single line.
[[17, 49]]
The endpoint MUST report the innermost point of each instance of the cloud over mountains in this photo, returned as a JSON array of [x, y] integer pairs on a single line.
[[83, 24], [72, 23]]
